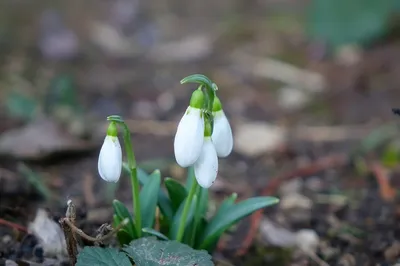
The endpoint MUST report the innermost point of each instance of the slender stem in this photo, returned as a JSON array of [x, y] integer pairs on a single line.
[[134, 179], [197, 217], [185, 212]]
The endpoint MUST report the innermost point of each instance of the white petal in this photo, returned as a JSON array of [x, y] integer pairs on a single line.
[[222, 135], [189, 137], [110, 159], [206, 167]]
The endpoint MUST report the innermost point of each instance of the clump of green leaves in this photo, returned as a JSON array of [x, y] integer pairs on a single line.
[[199, 232]]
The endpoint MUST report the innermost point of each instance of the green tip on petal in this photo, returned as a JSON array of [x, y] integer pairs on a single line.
[[207, 127], [197, 99], [217, 105], [112, 129]]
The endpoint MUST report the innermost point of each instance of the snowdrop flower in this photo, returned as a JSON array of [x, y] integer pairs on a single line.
[[222, 132], [110, 157], [189, 136], [206, 166]]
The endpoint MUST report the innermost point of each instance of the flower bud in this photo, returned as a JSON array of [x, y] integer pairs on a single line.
[[189, 136], [222, 132], [206, 167], [110, 157]]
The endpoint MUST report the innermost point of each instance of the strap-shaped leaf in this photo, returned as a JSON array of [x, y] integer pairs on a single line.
[[177, 218], [226, 203], [148, 198], [153, 232], [223, 220], [122, 212], [177, 193], [163, 201]]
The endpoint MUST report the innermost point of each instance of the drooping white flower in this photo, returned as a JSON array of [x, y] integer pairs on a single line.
[[206, 166], [222, 132], [189, 136], [110, 158]]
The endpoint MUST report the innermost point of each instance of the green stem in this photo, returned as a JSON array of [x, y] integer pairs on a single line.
[[134, 179], [185, 212], [197, 217], [133, 172]]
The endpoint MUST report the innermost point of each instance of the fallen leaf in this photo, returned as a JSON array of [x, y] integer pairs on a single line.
[[49, 233], [38, 140]]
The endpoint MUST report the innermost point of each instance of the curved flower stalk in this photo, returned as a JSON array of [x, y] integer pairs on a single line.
[[189, 136], [110, 158], [222, 133]]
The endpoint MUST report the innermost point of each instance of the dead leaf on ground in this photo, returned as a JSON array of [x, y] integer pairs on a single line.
[[49, 233], [38, 140]]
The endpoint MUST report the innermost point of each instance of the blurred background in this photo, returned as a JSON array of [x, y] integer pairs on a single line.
[[309, 88]]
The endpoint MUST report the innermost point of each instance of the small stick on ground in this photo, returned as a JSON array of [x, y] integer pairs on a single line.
[[70, 229], [270, 189], [387, 192], [13, 225], [69, 235]]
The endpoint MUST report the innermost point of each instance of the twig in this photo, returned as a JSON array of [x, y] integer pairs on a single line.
[[69, 235], [13, 225], [270, 189], [69, 228], [94, 239], [387, 192]]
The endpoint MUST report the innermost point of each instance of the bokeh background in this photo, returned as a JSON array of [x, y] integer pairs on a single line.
[[309, 88]]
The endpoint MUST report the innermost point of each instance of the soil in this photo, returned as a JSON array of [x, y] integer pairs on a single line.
[[349, 181]]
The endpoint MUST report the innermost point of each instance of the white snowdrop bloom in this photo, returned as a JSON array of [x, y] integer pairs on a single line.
[[189, 136], [206, 167], [110, 159], [222, 132]]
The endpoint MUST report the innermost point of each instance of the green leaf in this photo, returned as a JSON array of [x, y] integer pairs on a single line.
[[21, 106], [163, 201], [177, 193], [230, 215], [142, 175], [341, 22], [90, 256], [122, 212], [177, 217], [200, 212], [124, 237], [152, 252], [153, 232], [165, 206], [148, 198], [226, 203], [391, 155]]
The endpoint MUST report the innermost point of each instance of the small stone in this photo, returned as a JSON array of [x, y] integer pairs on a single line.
[[254, 139], [277, 236], [11, 263], [307, 240], [293, 201]]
